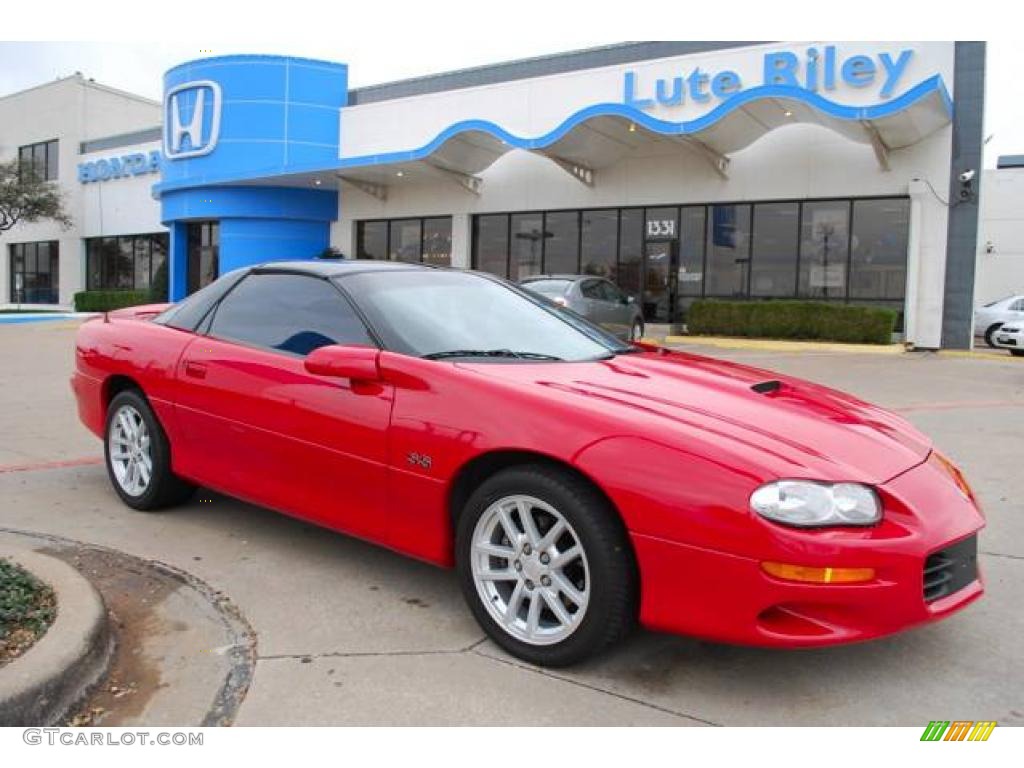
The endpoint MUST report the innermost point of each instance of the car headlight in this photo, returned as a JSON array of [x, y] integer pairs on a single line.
[[808, 504]]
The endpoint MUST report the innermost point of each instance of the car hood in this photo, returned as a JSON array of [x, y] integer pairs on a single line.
[[785, 426]]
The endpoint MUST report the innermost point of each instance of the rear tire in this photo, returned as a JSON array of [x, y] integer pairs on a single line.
[[573, 560], [990, 332], [138, 455]]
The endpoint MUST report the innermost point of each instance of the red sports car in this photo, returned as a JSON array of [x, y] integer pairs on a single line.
[[578, 484]]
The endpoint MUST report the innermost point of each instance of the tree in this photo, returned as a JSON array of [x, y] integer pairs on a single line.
[[25, 197]]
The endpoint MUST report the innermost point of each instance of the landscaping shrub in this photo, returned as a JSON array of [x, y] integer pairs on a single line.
[[27, 608], [102, 301], [822, 321]]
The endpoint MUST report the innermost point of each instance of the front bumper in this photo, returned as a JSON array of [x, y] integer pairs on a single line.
[[726, 597]]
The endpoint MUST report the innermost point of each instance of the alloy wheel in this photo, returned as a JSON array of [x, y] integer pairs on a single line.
[[131, 457], [530, 570]]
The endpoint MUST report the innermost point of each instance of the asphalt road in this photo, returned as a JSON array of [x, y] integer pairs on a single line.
[[347, 633]]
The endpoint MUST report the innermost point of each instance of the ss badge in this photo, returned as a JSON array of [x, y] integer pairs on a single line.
[[419, 460]]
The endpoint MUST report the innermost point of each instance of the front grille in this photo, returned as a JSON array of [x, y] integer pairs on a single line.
[[950, 569]]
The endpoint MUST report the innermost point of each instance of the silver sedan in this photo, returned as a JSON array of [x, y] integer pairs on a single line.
[[598, 300]]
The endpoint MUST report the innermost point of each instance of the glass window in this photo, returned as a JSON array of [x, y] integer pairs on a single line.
[[125, 264], [527, 245], [774, 252], [42, 158], [728, 244], [430, 312], [562, 243], [631, 236], [437, 241], [405, 240], [691, 250], [35, 272], [600, 239], [591, 289], [372, 240], [824, 249], [491, 244], [203, 254], [289, 313], [158, 245], [93, 265], [143, 262], [878, 264]]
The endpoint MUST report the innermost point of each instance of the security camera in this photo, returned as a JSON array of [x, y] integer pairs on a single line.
[[967, 176]]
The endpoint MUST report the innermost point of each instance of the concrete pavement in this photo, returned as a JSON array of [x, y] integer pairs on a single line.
[[348, 633]]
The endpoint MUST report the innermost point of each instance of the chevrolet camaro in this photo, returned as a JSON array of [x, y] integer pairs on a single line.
[[579, 485]]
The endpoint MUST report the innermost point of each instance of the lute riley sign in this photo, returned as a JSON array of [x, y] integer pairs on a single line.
[[815, 69], [135, 164]]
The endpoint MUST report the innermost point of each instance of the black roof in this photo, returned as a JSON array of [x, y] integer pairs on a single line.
[[336, 267]]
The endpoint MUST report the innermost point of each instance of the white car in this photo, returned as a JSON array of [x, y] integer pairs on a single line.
[[1011, 337], [991, 317]]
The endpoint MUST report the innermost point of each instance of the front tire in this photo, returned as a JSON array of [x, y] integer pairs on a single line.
[[1017, 352], [138, 455], [636, 333], [545, 565], [990, 332]]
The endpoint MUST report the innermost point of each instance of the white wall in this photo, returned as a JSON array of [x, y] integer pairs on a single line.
[[1001, 230]]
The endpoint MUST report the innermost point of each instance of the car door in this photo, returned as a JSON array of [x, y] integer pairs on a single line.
[[595, 308], [269, 431], [619, 309]]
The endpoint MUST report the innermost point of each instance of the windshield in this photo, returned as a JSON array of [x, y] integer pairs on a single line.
[[548, 287], [444, 314]]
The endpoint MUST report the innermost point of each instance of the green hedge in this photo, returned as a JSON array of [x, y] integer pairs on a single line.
[[102, 301], [792, 320]]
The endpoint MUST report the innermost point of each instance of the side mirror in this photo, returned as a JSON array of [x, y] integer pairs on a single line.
[[629, 300], [345, 362]]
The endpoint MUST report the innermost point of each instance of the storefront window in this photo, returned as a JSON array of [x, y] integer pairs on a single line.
[[372, 240], [35, 272], [824, 249], [125, 263], [728, 250], [437, 241], [562, 245], [203, 254], [404, 240], [491, 239], [599, 243], [629, 274], [692, 227], [774, 253], [527, 245], [413, 240], [878, 263], [668, 256]]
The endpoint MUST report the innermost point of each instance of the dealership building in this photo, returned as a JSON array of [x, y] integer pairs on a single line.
[[841, 172]]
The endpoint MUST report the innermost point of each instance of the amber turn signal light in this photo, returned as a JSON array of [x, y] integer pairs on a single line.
[[812, 575]]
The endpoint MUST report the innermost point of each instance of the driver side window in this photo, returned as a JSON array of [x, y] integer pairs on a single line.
[[288, 313]]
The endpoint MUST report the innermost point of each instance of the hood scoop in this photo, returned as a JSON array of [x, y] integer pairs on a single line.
[[767, 387]]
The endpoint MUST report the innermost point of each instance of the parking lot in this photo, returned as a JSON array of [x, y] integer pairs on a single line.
[[347, 633]]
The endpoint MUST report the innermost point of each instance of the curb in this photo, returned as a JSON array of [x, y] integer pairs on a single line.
[[41, 687]]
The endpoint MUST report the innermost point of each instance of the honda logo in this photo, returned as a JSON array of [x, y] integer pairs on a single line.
[[191, 119]]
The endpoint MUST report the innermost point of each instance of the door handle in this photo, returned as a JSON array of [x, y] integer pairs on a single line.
[[195, 370]]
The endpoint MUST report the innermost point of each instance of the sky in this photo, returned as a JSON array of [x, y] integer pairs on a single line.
[[138, 67]]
